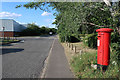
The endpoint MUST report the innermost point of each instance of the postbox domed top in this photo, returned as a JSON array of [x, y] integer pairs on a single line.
[[104, 30]]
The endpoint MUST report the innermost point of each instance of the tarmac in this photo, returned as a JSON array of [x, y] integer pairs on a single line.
[[25, 59], [58, 66]]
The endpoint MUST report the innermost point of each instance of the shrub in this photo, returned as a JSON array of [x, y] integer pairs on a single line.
[[82, 35], [90, 40], [116, 50], [53, 30], [115, 37], [30, 32], [62, 37], [34, 30], [74, 39], [115, 45], [69, 38]]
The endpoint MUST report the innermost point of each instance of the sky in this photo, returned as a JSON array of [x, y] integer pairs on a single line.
[[25, 16]]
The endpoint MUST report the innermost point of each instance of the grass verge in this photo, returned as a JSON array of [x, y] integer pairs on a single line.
[[2, 42], [80, 63]]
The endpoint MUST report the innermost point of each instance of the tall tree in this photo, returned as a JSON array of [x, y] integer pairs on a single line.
[[77, 17]]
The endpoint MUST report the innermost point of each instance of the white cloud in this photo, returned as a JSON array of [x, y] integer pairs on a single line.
[[51, 26], [45, 14], [9, 15]]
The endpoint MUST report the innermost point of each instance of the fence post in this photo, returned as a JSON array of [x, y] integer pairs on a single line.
[[80, 52], [72, 46], [66, 43], [75, 49], [69, 45]]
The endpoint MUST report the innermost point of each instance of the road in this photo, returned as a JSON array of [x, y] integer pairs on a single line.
[[25, 59]]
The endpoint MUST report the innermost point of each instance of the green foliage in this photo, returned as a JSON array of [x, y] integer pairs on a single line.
[[116, 50], [78, 17], [62, 37], [8, 40], [69, 38], [34, 30], [90, 40], [34, 5], [53, 30], [115, 39], [82, 67], [81, 35], [81, 18], [73, 39], [44, 30]]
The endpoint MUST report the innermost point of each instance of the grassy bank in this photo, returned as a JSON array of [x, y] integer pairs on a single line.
[[7, 41], [82, 60]]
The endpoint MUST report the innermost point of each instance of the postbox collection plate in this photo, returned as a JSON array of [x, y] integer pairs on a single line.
[[98, 42]]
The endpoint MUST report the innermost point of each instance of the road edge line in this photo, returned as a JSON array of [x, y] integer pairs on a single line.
[[46, 61]]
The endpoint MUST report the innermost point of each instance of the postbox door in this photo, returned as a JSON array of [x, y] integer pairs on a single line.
[[106, 56]]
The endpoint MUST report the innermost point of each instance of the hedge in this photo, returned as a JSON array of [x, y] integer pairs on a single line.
[[90, 40]]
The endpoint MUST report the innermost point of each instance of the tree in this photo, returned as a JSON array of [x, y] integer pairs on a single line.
[[32, 30], [53, 30], [44, 30], [77, 17]]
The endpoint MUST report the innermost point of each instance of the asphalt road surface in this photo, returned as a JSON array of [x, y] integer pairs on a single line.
[[25, 59]]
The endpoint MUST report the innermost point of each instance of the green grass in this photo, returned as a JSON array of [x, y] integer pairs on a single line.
[[81, 65], [5, 41]]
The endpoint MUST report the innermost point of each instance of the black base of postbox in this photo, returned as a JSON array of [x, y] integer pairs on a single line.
[[102, 67]]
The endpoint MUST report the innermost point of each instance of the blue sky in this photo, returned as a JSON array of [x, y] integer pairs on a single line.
[[24, 16]]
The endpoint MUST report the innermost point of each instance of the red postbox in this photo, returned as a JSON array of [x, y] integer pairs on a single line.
[[103, 44]]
